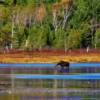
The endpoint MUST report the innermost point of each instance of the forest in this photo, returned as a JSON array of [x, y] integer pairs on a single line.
[[55, 24]]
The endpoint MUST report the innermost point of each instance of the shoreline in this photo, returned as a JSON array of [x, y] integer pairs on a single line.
[[10, 58], [49, 56]]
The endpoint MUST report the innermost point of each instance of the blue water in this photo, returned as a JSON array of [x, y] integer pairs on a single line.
[[72, 76], [72, 65], [85, 64], [27, 64]]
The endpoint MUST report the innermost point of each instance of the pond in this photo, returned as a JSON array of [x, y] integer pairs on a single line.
[[41, 81]]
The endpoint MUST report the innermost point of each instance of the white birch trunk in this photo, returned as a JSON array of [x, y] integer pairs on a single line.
[[26, 43], [55, 20], [12, 34]]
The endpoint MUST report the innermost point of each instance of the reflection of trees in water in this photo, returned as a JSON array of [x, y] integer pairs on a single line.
[[46, 70], [54, 84], [28, 86], [49, 83]]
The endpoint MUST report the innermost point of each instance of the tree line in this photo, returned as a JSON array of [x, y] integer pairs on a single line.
[[60, 24]]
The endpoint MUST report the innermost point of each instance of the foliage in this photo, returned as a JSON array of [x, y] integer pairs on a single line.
[[74, 39], [96, 42], [58, 41], [5, 35], [37, 24]]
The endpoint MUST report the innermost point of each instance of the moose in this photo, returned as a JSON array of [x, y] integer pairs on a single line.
[[63, 66]]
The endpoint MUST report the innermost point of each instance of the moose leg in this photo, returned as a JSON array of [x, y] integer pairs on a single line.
[[66, 69]]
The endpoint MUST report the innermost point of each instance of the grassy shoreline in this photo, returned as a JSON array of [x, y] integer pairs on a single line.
[[31, 58]]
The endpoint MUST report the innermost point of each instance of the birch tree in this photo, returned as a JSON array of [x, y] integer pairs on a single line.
[[67, 6]]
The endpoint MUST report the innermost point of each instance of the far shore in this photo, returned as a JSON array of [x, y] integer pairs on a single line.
[[50, 56]]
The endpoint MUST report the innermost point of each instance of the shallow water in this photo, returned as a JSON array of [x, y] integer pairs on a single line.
[[72, 65], [63, 87]]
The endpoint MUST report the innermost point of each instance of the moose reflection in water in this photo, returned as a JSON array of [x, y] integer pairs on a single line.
[[63, 66]]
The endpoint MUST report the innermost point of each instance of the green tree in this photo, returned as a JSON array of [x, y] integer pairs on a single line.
[[76, 36], [5, 36], [96, 42], [58, 41], [74, 39], [37, 37], [19, 37]]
